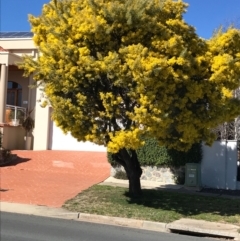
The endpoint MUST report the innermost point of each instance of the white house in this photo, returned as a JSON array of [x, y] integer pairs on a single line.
[[15, 93]]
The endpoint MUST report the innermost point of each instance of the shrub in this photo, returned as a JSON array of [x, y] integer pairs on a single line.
[[5, 154], [19, 115], [121, 175], [179, 177], [151, 154]]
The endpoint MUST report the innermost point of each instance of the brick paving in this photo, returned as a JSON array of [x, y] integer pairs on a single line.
[[51, 177]]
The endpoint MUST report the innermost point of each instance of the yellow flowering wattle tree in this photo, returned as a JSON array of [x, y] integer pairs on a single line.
[[118, 71]]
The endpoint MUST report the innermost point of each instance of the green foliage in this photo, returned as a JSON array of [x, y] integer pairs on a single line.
[[19, 115], [28, 124], [121, 175], [116, 70], [5, 154], [179, 178], [151, 154]]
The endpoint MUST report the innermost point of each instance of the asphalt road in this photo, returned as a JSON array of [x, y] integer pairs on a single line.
[[17, 227]]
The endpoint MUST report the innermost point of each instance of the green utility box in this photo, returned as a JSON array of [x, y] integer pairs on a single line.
[[193, 175]]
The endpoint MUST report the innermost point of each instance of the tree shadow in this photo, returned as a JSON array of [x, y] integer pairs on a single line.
[[15, 160], [187, 204], [3, 190]]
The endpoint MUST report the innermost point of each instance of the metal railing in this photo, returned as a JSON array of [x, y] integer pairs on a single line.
[[15, 114]]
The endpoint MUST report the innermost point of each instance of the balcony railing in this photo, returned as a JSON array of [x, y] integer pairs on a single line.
[[15, 115]]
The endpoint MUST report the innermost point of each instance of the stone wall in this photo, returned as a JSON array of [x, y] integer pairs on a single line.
[[166, 175]]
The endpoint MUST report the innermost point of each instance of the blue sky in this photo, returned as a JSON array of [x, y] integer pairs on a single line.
[[204, 15]]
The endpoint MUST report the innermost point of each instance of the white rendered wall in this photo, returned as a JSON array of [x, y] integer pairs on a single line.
[[59, 141], [219, 165]]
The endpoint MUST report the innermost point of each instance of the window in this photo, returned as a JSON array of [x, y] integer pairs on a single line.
[[14, 94]]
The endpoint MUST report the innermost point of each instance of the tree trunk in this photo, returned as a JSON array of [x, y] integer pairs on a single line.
[[133, 170]]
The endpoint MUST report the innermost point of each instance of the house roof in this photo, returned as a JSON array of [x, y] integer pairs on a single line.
[[16, 35]]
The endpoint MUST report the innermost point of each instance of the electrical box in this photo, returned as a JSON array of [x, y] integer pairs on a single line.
[[193, 175]]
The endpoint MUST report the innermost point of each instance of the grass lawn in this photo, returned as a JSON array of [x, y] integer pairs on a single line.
[[155, 205]]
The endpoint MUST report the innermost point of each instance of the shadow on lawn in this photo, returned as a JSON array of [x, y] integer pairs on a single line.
[[186, 204]]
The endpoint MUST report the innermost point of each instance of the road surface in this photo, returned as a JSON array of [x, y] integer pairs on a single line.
[[18, 227]]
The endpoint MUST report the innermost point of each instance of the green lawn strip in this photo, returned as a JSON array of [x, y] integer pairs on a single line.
[[155, 205]]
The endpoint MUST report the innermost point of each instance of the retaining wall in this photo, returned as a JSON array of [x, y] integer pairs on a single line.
[[158, 174]]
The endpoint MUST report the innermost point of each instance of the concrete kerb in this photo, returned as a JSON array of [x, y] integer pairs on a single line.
[[125, 222], [64, 214], [204, 227], [186, 225], [192, 227]]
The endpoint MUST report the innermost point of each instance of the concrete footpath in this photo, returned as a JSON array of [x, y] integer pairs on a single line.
[[190, 226]]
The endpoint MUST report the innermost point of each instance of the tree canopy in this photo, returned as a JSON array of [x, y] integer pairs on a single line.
[[115, 71]]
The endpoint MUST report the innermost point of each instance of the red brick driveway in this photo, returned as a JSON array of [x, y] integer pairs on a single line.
[[51, 177]]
